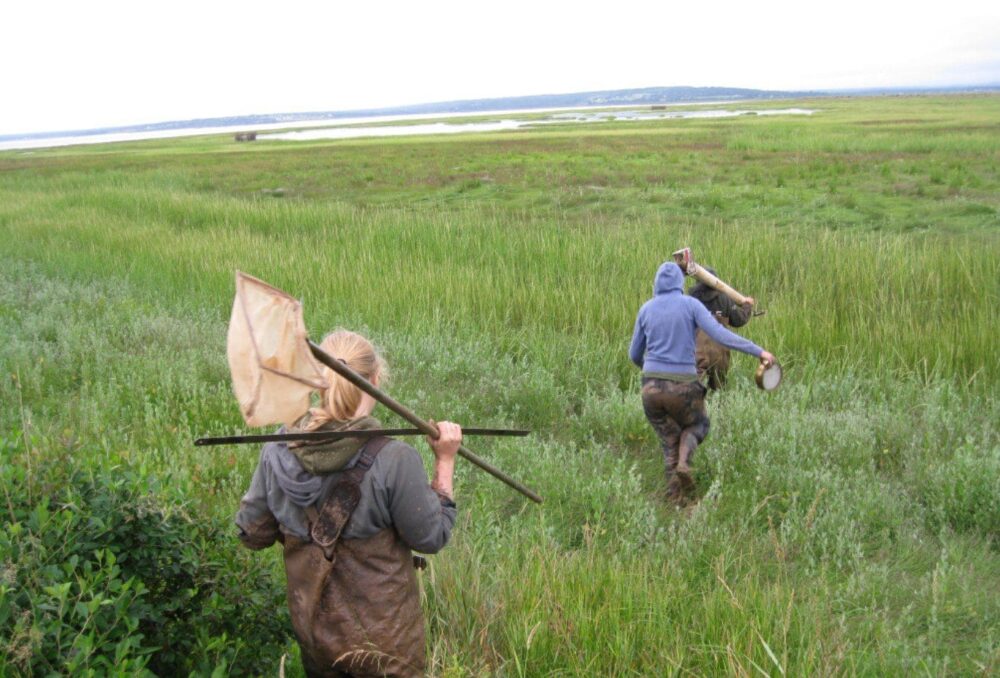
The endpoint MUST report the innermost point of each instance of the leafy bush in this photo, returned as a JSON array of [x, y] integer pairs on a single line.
[[104, 573]]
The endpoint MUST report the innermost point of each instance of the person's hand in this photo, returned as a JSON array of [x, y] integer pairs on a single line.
[[750, 301], [446, 446], [767, 358]]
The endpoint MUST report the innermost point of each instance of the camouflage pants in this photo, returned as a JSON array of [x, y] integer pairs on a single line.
[[676, 411]]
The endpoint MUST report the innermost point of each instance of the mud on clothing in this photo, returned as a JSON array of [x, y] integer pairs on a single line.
[[676, 411], [711, 357], [394, 493], [663, 345], [359, 612]]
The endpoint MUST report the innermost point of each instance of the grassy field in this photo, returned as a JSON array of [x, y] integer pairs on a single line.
[[849, 523]]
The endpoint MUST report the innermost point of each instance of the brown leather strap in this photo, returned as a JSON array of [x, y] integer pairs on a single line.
[[334, 510]]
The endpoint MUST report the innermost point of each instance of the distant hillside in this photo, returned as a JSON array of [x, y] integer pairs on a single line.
[[620, 97]]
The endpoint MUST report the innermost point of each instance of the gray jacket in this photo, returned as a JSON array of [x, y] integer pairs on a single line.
[[394, 493]]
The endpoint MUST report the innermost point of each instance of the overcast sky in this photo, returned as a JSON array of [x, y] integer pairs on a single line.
[[68, 65]]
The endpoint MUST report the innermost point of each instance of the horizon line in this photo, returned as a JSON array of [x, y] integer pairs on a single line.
[[223, 120]]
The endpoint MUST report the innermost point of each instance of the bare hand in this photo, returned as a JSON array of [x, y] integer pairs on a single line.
[[767, 358], [750, 300], [446, 446]]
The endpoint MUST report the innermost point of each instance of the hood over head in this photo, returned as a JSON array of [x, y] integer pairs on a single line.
[[669, 278]]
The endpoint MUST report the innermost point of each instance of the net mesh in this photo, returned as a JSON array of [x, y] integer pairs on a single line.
[[273, 370]]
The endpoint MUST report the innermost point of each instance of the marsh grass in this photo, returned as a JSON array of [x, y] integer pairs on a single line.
[[848, 521]]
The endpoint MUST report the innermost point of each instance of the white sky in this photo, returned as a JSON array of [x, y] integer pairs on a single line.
[[68, 65]]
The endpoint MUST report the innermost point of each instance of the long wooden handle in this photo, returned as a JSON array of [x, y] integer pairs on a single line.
[[712, 281], [350, 375]]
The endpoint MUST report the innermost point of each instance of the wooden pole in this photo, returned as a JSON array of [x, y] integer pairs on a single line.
[[407, 414], [685, 260], [714, 282]]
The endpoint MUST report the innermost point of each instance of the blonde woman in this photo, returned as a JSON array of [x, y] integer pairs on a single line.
[[348, 515]]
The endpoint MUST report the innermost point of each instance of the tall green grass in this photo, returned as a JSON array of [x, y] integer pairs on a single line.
[[887, 302], [848, 521]]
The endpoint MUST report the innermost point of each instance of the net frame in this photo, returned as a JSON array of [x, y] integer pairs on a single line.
[[272, 367]]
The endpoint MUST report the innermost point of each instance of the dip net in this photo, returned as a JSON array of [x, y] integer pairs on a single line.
[[273, 370]]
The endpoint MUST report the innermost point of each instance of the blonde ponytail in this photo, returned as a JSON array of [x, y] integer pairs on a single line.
[[341, 400]]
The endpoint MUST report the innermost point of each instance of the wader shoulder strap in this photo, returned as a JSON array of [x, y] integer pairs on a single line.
[[335, 509]]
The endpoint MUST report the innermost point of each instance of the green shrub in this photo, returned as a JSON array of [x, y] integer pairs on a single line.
[[103, 572]]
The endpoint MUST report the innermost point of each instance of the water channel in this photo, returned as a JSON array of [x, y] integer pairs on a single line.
[[356, 128], [507, 124]]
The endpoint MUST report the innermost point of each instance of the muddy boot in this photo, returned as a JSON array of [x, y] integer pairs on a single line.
[[675, 491], [715, 380], [683, 468], [682, 473]]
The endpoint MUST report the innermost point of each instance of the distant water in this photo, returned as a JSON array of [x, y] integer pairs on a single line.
[[325, 130], [113, 137], [512, 124], [393, 130], [601, 116]]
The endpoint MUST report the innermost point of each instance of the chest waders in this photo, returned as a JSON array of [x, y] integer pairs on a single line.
[[711, 357], [354, 603]]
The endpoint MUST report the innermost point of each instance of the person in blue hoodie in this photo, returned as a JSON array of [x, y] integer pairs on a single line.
[[663, 345]]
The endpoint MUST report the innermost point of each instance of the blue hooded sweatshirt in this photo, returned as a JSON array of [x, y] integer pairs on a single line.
[[663, 340]]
